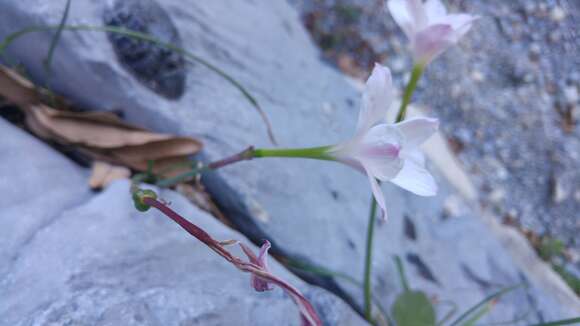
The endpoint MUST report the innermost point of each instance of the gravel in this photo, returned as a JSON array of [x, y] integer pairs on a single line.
[[507, 97]]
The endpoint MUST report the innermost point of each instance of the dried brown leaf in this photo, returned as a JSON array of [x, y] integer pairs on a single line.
[[16, 89], [102, 135], [103, 174]]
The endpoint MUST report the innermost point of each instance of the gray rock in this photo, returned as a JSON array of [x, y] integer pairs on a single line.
[[310, 209], [97, 261], [36, 185]]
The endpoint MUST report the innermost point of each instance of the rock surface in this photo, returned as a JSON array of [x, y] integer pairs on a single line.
[[74, 259], [508, 96], [307, 208]]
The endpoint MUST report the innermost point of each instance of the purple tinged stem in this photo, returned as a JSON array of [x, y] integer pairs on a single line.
[[308, 313]]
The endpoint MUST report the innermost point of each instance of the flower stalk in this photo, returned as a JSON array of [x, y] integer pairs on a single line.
[[368, 294], [407, 95], [257, 266], [318, 153], [409, 90]]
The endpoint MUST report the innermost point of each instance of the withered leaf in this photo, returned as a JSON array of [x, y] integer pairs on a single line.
[[102, 135], [17, 89], [102, 174]]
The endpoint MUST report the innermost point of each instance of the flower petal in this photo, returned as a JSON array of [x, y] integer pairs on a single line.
[[402, 17], [259, 284], [263, 255], [432, 41], [461, 23], [409, 15], [378, 151], [377, 98], [416, 131], [378, 194], [434, 9], [415, 178]]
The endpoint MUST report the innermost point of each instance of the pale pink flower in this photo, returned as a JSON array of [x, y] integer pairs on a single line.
[[430, 29], [388, 152]]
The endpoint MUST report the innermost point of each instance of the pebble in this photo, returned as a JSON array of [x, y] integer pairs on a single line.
[[398, 64], [535, 51], [559, 193], [558, 14], [456, 90], [555, 36], [530, 8], [453, 206], [497, 195], [477, 76], [571, 94]]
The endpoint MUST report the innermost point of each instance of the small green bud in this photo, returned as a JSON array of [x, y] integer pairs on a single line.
[[140, 195]]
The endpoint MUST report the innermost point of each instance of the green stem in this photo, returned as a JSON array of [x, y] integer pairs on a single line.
[[572, 321], [318, 153], [483, 302], [147, 38], [402, 275], [409, 90], [368, 261]]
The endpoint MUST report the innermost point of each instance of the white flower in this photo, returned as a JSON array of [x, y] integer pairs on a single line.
[[388, 152], [430, 29]]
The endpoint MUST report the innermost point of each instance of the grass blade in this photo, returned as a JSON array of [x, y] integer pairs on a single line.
[[148, 38], [482, 303], [479, 314], [329, 273], [402, 274], [572, 321], [56, 38]]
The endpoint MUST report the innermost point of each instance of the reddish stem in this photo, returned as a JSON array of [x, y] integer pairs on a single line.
[[246, 154], [307, 311]]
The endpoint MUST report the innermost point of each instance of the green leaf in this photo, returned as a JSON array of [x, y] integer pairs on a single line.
[[413, 308], [147, 38], [401, 271], [573, 321], [56, 38], [479, 314], [482, 303]]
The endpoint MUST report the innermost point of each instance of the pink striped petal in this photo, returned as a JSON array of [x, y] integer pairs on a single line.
[[431, 42], [377, 99]]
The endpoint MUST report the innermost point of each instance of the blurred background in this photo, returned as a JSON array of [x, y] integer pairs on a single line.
[[86, 108], [508, 98]]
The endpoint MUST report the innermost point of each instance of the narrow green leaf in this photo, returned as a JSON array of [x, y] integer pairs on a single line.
[[330, 273], [56, 38], [413, 308], [482, 303], [402, 274], [479, 314], [449, 314], [148, 38], [572, 321]]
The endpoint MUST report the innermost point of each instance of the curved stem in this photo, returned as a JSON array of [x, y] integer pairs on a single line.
[[409, 90], [318, 153], [147, 38], [368, 261]]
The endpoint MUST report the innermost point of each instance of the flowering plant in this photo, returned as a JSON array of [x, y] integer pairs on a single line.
[[384, 151]]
